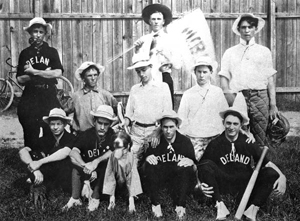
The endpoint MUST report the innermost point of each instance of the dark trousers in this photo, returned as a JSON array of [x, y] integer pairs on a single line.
[[166, 77], [235, 184], [180, 179], [78, 176]]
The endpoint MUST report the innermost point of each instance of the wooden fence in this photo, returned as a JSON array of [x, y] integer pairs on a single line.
[[99, 30]]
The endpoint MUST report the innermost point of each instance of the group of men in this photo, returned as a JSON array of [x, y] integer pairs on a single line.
[[205, 140]]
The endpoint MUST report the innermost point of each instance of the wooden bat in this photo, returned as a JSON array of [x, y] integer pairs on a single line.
[[240, 211]]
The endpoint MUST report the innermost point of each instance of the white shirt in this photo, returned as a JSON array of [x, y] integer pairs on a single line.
[[247, 66], [199, 110], [147, 102]]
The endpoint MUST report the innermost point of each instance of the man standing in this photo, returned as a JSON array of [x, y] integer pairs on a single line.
[[90, 154], [248, 67], [172, 160], [48, 161], [226, 166], [147, 101], [90, 96], [157, 43]]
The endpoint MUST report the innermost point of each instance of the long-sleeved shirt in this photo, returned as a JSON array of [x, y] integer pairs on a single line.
[[147, 102], [247, 66], [199, 110]]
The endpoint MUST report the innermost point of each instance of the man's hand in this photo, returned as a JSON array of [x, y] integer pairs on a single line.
[[34, 165], [112, 203], [250, 138], [29, 69], [152, 160], [90, 167], [207, 190], [154, 137], [93, 176], [280, 185], [39, 177], [138, 44], [274, 113], [185, 162]]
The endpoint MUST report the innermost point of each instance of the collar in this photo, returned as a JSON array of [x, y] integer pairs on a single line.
[[58, 138], [203, 87], [244, 43], [160, 33], [150, 83], [88, 90]]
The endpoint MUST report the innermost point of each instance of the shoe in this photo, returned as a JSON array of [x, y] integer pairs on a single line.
[[72, 202], [93, 204], [180, 212], [222, 212], [157, 211], [251, 212]]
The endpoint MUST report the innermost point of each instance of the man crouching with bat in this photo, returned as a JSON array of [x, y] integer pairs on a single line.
[[225, 168]]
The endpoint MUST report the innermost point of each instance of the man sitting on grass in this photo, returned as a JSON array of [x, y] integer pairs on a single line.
[[226, 166], [89, 155], [48, 161], [172, 160]]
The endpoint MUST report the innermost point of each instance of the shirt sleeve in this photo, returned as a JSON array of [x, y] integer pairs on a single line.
[[269, 70], [21, 64], [225, 65], [55, 61], [183, 112], [129, 107]]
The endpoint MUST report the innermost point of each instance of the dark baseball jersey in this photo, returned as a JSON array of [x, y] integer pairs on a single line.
[[233, 157], [172, 153], [90, 147]]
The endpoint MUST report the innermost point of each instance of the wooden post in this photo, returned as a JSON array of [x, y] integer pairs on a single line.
[[37, 8], [272, 29]]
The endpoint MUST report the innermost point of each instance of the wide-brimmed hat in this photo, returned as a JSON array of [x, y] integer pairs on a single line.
[[84, 66], [260, 23], [150, 9], [171, 114], [57, 113], [140, 60], [104, 111], [207, 61], [236, 110], [38, 20]]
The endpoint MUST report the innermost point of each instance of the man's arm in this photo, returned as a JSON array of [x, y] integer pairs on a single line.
[[56, 156], [272, 96], [48, 73], [25, 155], [91, 166], [76, 157], [280, 184]]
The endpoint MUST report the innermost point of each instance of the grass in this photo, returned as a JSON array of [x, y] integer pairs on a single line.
[[16, 205]]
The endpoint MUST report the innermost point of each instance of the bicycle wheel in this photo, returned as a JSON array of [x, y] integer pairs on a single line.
[[65, 84], [6, 94]]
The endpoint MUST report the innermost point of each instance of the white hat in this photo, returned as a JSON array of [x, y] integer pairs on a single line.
[[84, 66], [140, 60], [104, 111], [207, 61], [171, 114], [38, 20], [236, 110], [57, 113], [260, 23]]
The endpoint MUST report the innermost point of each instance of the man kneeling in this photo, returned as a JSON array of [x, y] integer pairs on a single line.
[[226, 167], [172, 160], [48, 161], [89, 155]]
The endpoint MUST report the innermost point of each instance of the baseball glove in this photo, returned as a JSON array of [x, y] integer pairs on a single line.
[[277, 131]]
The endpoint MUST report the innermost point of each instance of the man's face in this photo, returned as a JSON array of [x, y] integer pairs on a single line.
[[144, 73], [247, 31], [156, 21], [232, 126], [38, 34], [91, 78], [169, 128], [57, 127], [102, 125], [202, 73]]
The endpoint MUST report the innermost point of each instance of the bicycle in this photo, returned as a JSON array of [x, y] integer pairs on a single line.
[[7, 91]]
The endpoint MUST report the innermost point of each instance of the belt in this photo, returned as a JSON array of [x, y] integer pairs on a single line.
[[250, 92], [42, 86], [144, 125]]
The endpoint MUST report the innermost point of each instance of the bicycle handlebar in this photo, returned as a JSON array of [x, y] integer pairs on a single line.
[[8, 59]]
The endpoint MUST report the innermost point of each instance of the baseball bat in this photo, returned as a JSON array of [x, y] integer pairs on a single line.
[[240, 211]]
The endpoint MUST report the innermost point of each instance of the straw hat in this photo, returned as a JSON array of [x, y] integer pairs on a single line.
[[140, 60], [236, 110], [207, 61], [57, 113], [171, 114], [150, 9], [260, 23], [84, 66], [104, 111], [38, 20]]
